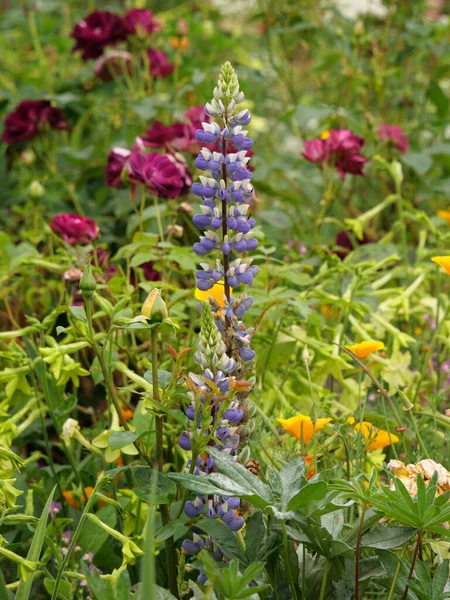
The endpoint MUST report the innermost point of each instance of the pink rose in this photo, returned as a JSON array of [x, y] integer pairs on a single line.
[[75, 229]]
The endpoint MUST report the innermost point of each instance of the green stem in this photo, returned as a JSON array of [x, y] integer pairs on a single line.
[[73, 541], [358, 552], [323, 587], [111, 389], [171, 560], [413, 564], [158, 219], [288, 564]]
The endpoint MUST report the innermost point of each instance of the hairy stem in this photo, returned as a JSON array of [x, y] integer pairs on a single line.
[[413, 564]]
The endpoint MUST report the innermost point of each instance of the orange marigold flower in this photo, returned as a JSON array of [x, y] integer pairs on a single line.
[[217, 292], [364, 349], [442, 261], [302, 427], [375, 438], [444, 214]]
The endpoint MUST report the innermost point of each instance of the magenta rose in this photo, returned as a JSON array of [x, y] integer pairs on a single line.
[[97, 31], [75, 229], [158, 172], [352, 165], [178, 160], [117, 160], [159, 63], [314, 150], [29, 118], [141, 21], [394, 134], [343, 142]]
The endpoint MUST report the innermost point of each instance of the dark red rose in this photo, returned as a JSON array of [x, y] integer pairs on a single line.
[[97, 31], [150, 273], [353, 165], [343, 142], [181, 164], [347, 244], [159, 63], [113, 65], [75, 229], [395, 134], [29, 118], [314, 150], [141, 21], [158, 172], [117, 160], [196, 115], [159, 135]]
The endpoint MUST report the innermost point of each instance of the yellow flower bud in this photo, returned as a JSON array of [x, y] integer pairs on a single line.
[[154, 307]]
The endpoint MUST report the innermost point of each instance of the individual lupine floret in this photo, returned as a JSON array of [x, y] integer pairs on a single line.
[[210, 217], [208, 242], [209, 276], [209, 134], [206, 189], [241, 271], [241, 191]]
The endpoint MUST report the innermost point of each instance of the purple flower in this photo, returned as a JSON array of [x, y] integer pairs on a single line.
[[97, 31], [29, 118], [314, 150], [184, 442], [140, 21], [193, 547], [55, 507], [395, 134], [118, 159], [161, 176], [159, 63], [75, 229]]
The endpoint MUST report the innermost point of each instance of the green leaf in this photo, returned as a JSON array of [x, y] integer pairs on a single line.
[[166, 489], [78, 313], [164, 377], [255, 533], [160, 593], [222, 536], [65, 588], [176, 529], [5, 594], [120, 439], [385, 538], [439, 99], [418, 161], [440, 579], [312, 492], [24, 589]]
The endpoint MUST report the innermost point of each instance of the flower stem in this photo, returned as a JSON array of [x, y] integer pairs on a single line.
[[323, 587], [358, 552], [288, 564], [171, 559], [73, 541], [413, 564]]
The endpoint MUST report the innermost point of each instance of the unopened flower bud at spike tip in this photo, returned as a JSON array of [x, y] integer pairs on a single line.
[[154, 307], [87, 284]]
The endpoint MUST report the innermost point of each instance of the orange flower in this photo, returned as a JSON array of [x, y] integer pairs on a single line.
[[69, 497], [375, 438], [442, 261], [302, 427], [309, 470], [217, 292], [444, 214], [364, 349], [127, 414]]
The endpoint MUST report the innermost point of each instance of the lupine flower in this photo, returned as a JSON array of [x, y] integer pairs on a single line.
[[364, 349], [158, 172], [395, 134], [340, 148], [375, 438], [118, 159], [301, 426], [29, 118], [444, 214], [141, 22], [159, 63], [442, 261], [75, 229], [97, 31], [113, 65]]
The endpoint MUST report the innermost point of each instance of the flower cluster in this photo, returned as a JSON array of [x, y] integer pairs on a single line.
[[75, 229], [102, 29], [29, 118], [220, 412], [340, 148]]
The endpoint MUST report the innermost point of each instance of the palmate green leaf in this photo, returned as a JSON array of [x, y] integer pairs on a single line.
[[255, 533], [24, 589], [206, 485], [241, 475], [222, 536], [176, 528], [386, 538], [291, 479], [310, 493]]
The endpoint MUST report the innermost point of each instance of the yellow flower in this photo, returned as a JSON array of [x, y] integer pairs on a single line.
[[375, 438], [364, 349], [154, 307], [302, 427], [325, 134], [442, 261], [444, 214], [217, 292]]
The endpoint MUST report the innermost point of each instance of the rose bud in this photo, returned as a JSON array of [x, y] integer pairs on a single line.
[[154, 307]]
